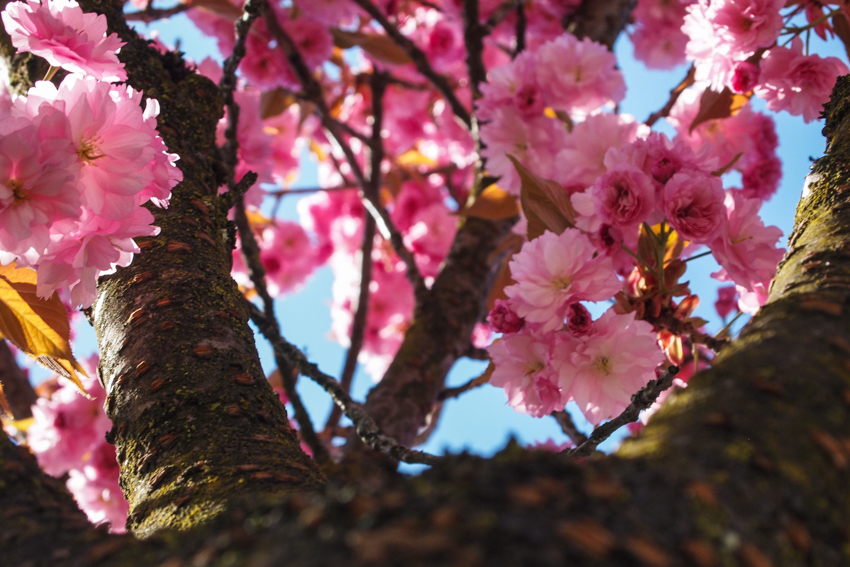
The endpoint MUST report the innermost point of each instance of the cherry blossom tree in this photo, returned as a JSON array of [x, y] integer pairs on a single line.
[[481, 196]]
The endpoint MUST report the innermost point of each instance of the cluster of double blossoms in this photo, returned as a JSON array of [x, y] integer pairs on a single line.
[[544, 109], [77, 161]]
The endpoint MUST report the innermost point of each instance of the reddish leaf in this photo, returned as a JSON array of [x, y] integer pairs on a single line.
[[494, 203], [378, 46], [545, 203]]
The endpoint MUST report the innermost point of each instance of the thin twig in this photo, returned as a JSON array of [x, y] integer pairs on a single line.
[[149, 14], [448, 393], [251, 11], [251, 253], [376, 157], [565, 420], [644, 398], [420, 60], [521, 25], [674, 96], [473, 37], [365, 426], [235, 194], [313, 92], [500, 13], [302, 190]]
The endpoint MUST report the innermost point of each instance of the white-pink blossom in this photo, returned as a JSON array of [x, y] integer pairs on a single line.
[[798, 83], [745, 248], [553, 271], [578, 75], [605, 367], [524, 370], [64, 35]]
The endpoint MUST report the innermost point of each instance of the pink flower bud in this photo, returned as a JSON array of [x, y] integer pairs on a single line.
[[579, 320], [745, 77], [503, 319]]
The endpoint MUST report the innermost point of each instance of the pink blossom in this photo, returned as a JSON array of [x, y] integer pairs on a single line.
[[513, 84], [723, 32], [524, 370], [745, 248], [38, 176], [553, 271], [693, 205], [624, 197], [287, 255], [579, 320], [95, 488], [535, 143], [798, 83], [751, 301], [659, 157], [503, 319], [745, 76], [582, 160], [578, 75], [59, 31], [329, 12], [761, 178], [605, 367], [430, 235], [657, 37], [727, 297]]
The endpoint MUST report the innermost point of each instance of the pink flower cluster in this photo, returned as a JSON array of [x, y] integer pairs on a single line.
[[62, 148], [727, 40], [657, 37], [566, 75], [68, 436]]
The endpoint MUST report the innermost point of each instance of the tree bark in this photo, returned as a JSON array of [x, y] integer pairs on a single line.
[[16, 385]]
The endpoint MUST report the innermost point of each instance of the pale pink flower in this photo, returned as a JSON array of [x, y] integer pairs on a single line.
[[578, 75], [605, 367], [582, 160], [723, 32], [95, 488], [524, 371], [751, 301], [503, 319], [624, 197], [329, 12], [430, 236], [513, 84], [553, 271], [693, 205], [38, 180], [288, 257], [64, 35], [657, 37], [798, 83], [745, 248], [535, 143]]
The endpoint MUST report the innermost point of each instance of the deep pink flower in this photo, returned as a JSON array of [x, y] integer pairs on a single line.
[[693, 205], [59, 31], [553, 271], [579, 320], [624, 197], [798, 83], [727, 298], [745, 76], [503, 319]]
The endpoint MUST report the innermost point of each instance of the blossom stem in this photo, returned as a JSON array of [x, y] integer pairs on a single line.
[[728, 325], [700, 255], [50, 73]]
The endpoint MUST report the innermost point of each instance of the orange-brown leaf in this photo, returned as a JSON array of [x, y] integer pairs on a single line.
[[842, 29], [714, 105], [545, 203], [222, 8], [38, 327], [377, 45], [494, 203]]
